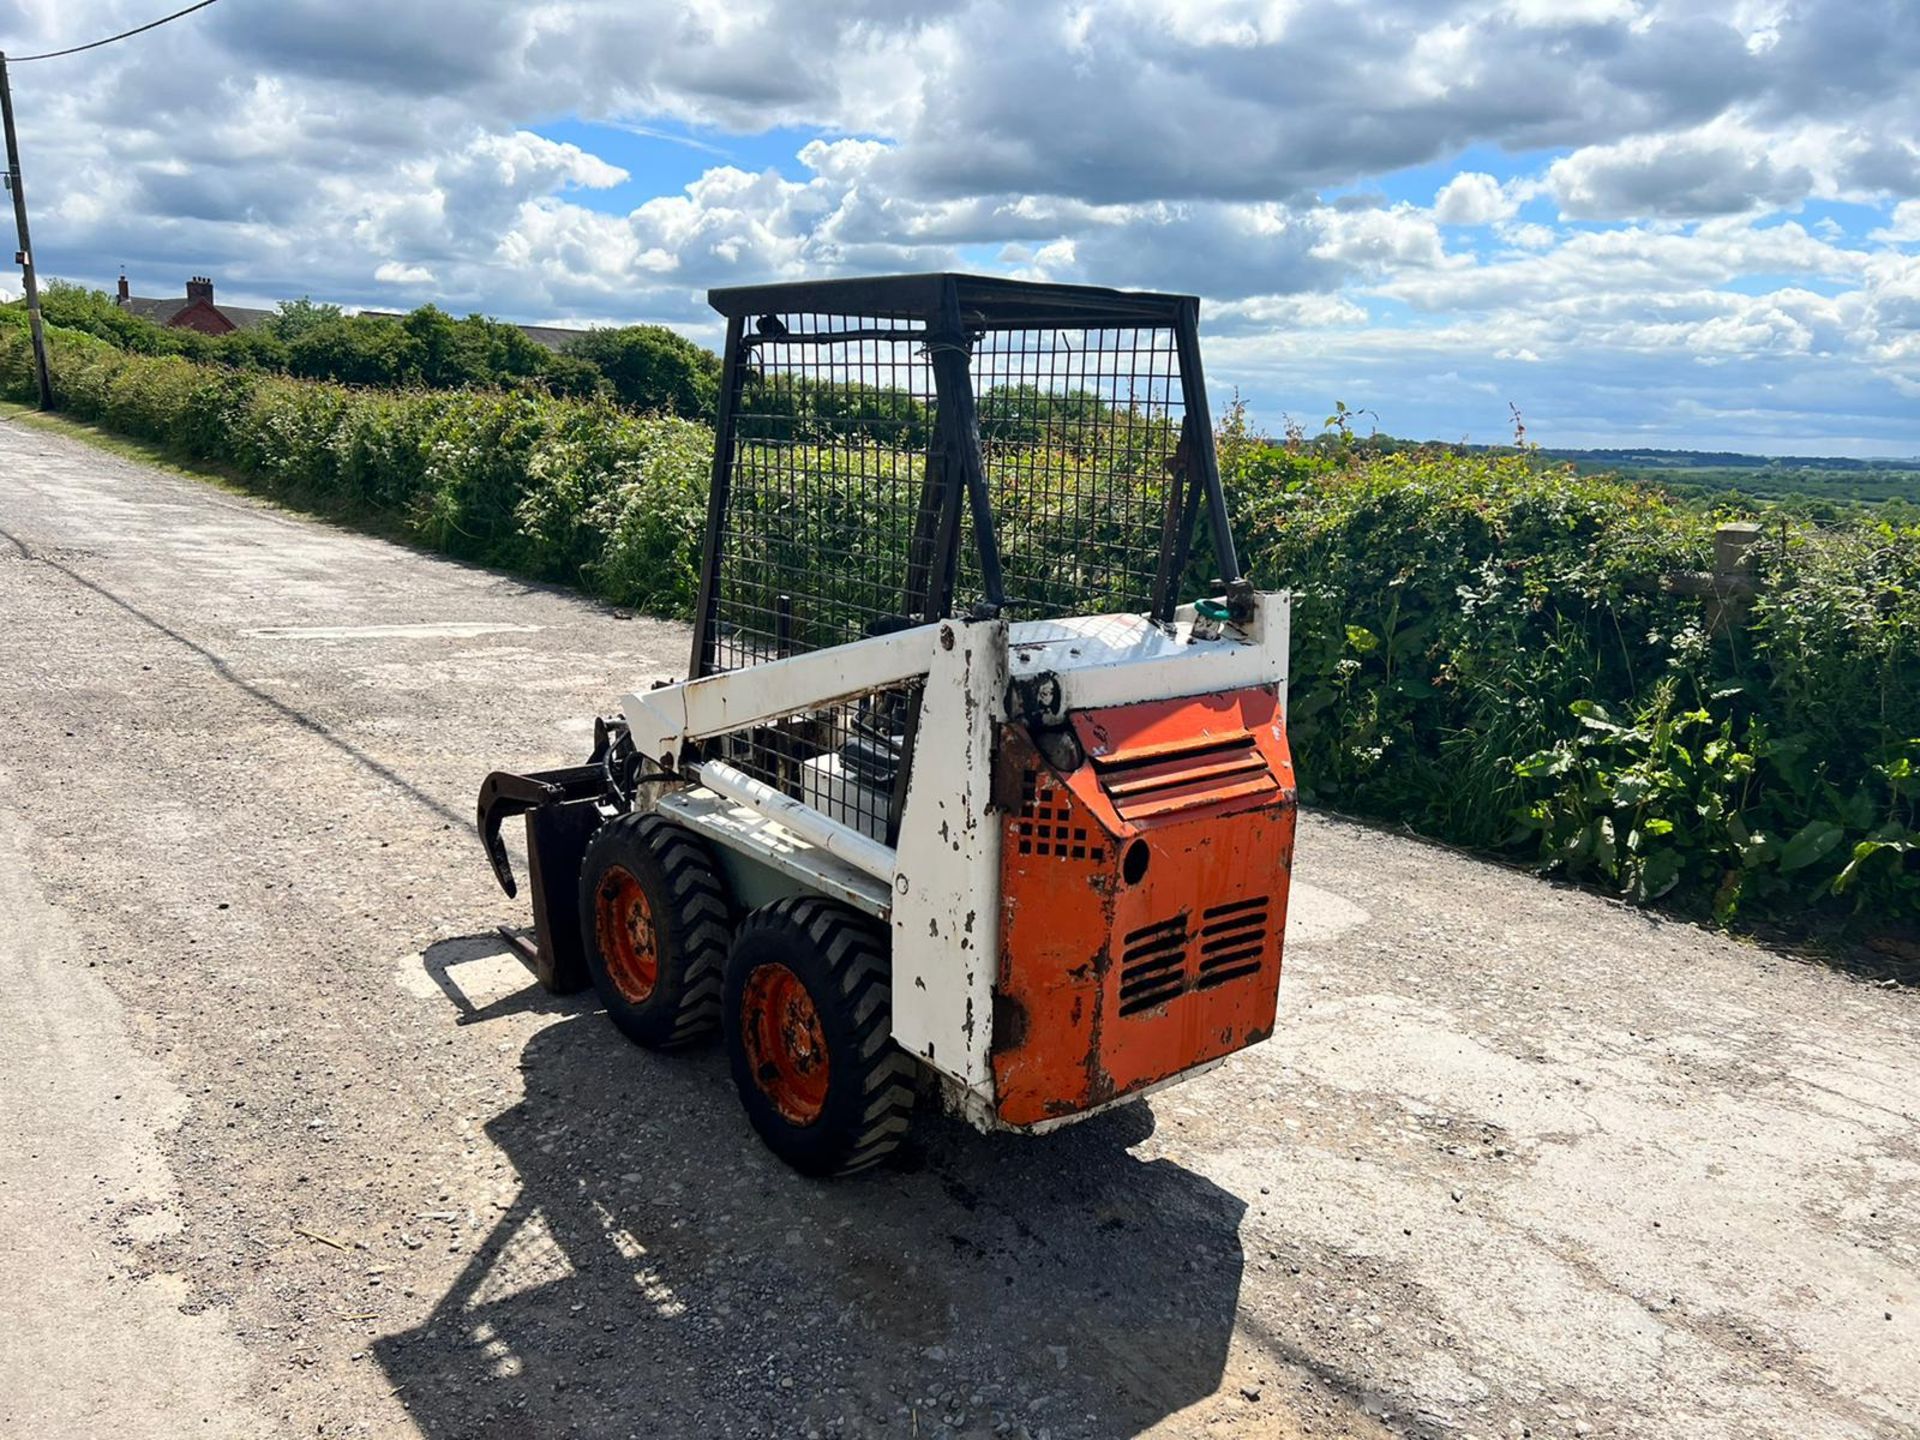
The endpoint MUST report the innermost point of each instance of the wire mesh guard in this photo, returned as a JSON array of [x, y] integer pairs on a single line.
[[843, 514], [830, 446], [1078, 431]]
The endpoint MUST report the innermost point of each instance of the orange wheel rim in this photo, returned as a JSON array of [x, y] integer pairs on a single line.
[[623, 922], [784, 1043]]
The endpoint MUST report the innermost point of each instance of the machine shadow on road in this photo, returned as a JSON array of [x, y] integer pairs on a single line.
[[662, 1274]]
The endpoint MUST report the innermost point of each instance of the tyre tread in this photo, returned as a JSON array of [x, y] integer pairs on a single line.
[[854, 951], [696, 898]]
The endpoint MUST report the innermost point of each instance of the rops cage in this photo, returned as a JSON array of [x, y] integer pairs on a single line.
[[896, 450]]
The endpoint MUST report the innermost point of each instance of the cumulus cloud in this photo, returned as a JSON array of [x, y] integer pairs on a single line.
[[372, 154], [1674, 177], [1904, 228], [1473, 198], [1569, 14]]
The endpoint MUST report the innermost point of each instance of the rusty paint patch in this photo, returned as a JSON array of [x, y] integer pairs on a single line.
[[1009, 1022]]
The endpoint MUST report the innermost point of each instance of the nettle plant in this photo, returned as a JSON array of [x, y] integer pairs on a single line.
[[1774, 769], [1679, 796], [1643, 803]]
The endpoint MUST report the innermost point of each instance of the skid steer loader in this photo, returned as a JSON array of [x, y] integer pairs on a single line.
[[962, 795]]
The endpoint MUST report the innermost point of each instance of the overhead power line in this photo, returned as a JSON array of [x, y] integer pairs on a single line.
[[123, 35], [28, 271]]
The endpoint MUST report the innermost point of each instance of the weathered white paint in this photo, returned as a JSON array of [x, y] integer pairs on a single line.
[[661, 720], [809, 824], [736, 829], [1104, 660], [946, 908]]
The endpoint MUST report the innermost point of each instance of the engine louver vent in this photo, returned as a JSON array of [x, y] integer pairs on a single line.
[[1153, 967], [1232, 939], [1163, 961], [1158, 781]]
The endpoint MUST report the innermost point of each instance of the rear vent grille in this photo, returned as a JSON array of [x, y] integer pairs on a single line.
[[1147, 783], [1232, 940], [1163, 961], [1153, 967], [1046, 825]]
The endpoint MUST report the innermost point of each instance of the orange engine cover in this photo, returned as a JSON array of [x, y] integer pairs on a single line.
[[1145, 899]]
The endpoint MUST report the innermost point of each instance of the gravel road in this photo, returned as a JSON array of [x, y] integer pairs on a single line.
[[294, 1148]]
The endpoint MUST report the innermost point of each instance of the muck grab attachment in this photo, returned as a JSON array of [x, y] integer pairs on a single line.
[[962, 796]]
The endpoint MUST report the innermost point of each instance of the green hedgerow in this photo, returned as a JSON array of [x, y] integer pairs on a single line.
[[1484, 648], [574, 491], [1488, 651]]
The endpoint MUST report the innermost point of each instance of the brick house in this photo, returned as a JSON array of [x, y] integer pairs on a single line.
[[196, 312]]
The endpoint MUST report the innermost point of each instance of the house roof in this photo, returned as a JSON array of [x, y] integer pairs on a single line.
[[161, 312], [554, 337]]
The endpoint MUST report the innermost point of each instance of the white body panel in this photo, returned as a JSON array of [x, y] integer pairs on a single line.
[[946, 905], [1104, 660], [739, 830]]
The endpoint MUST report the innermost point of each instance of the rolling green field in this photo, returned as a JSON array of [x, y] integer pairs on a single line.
[[1806, 484], [1812, 487]]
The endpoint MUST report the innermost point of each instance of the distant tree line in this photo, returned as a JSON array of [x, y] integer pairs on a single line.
[[1826, 490], [645, 367]]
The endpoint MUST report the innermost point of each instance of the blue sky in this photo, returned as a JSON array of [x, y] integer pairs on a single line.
[[1687, 223], [663, 156]]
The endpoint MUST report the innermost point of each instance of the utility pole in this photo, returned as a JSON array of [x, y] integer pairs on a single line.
[[25, 257]]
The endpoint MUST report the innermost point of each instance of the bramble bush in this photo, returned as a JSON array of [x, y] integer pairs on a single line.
[[1485, 648]]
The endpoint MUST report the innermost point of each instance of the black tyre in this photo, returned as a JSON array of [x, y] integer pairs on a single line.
[[655, 924], [809, 1029]]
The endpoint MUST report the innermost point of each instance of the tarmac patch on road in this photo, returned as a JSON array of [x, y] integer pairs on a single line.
[[1316, 914], [428, 630]]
